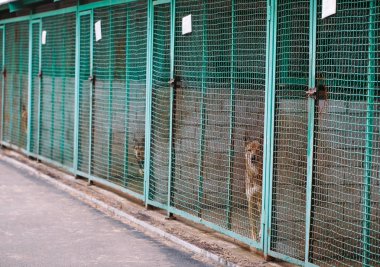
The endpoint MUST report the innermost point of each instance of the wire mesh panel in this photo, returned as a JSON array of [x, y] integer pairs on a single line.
[[345, 227], [84, 92], [290, 136], [58, 89], [16, 83], [118, 110], [159, 168], [219, 112], [35, 87]]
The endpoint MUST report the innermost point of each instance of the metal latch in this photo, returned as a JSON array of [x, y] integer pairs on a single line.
[[318, 93], [92, 79], [40, 74], [174, 83]]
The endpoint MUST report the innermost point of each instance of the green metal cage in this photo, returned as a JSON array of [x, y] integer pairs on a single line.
[[115, 92]]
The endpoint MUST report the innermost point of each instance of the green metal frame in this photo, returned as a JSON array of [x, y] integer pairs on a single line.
[[311, 124], [91, 14], [148, 103], [172, 92], [232, 120], [76, 96], [268, 124], [30, 79], [270, 79], [2, 28], [110, 100], [369, 135]]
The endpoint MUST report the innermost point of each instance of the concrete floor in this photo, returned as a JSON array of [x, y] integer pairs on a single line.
[[42, 226]]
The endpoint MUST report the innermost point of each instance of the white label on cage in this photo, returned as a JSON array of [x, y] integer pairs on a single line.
[[186, 25], [98, 30], [43, 39], [328, 8]]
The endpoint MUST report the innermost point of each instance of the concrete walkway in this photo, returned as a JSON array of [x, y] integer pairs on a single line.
[[42, 226]]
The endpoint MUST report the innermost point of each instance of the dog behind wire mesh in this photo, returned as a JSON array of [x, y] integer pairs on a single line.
[[253, 182], [139, 150]]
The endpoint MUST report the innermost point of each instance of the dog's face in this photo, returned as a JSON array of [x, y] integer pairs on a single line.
[[138, 149], [253, 155]]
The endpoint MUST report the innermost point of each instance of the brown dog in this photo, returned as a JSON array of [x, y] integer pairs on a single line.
[[253, 183], [139, 150], [24, 119]]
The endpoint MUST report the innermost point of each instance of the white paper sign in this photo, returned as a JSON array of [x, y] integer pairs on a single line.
[[186, 25], [98, 30], [328, 8], [43, 39]]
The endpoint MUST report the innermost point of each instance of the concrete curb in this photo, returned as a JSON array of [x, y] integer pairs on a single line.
[[152, 229]]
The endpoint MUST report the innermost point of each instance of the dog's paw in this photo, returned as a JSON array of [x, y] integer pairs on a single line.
[[141, 172]]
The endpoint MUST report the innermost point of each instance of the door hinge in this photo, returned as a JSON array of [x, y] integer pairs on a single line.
[[317, 93]]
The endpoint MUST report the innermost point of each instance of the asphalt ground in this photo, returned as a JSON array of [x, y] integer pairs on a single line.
[[41, 225]]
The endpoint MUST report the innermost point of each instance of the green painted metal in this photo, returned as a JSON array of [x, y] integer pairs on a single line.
[[203, 107], [268, 124], [40, 93], [76, 109], [104, 3], [172, 92], [232, 119], [29, 87], [63, 127], [110, 99], [160, 2], [213, 226], [91, 14], [15, 6], [11, 97], [311, 124], [148, 104], [2, 28], [271, 57], [372, 64]]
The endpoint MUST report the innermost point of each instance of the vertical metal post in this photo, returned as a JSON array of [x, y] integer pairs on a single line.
[[172, 104], [40, 90], [76, 108], [148, 103], [10, 89], [91, 93], [110, 100], [2, 83], [270, 78], [127, 91], [232, 119], [52, 121], [203, 111], [30, 80], [310, 133], [19, 111], [63, 106], [366, 224]]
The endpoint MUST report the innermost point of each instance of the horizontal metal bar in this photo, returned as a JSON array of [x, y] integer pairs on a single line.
[[215, 227], [110, 185], [54, 12], [161, 2], [17, 19], [14, 147], [104, 4], [157, 204]]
